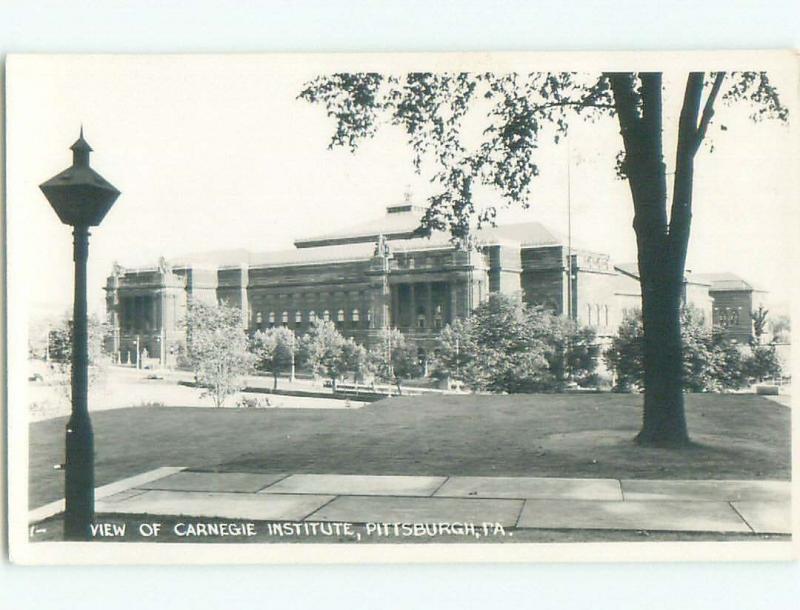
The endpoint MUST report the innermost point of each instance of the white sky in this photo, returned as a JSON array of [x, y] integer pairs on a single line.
[[217, 152]]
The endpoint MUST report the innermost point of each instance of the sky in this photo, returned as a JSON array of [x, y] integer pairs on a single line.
[[217, 152]]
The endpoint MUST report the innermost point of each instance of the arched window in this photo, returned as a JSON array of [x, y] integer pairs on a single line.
[[340, 315], [298, 317], [271, 317], [285, 318], [312, 315], [597, 316], [258, 318], [354, 315], [326, 315]]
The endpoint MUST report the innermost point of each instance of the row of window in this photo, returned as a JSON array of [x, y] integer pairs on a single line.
[[273, 318]]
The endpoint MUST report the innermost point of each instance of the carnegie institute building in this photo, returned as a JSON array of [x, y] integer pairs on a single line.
[[380, 275]]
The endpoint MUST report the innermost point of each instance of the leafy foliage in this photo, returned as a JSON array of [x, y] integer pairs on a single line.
[[324, 350], [217, 349], [759, 317], [506, 346], [762, 363], [274, 350], [60, 352], [395, 358], [781, 329], [711, 362], [518, 111]]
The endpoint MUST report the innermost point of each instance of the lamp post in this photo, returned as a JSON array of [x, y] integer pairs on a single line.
[[81, 198]]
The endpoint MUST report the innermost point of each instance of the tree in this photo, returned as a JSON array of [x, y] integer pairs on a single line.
[[217, 349], [781, 329], [759, 317], [60, 350], [573, 348], [324, 350], [274, 350], [431, 108], [395, 358], [506, 346], [762, 363], [355, 359]]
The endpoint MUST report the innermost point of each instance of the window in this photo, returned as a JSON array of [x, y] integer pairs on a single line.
[[326, 315], [298, 317], [597, 316], [589, 315], [340, 315], [285, 318], [605, 311], [354, 315], [258, 318], [421, 321]]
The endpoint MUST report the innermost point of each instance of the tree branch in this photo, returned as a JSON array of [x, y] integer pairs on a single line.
[[708, 109]]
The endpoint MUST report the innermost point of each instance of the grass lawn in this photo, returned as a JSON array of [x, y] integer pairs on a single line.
[[556, 435]]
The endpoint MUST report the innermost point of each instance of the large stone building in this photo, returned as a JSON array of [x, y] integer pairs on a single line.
[[376, 275]]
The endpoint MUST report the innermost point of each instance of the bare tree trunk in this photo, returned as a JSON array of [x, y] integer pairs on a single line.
[[664, 421], [662, 248], [274, 378]]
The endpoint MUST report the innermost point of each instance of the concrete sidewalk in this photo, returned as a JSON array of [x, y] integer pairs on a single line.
[[759, 507]]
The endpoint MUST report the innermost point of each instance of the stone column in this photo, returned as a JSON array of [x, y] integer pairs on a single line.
[[395, 314], [429, 288], [413, 288], [163, 328], [453, 289]]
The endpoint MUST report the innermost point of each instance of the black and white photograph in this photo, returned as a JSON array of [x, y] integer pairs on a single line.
[[401, 307]]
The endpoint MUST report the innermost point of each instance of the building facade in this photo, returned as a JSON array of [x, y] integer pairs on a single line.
[[375, 276]]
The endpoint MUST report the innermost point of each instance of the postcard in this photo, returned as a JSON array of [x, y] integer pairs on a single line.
[[401, 307]]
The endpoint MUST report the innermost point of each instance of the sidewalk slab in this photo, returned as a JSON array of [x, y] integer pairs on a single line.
[[766, 517], [531, 487], [226, 505], [384, 509], [356, 485], [105, 491], [725, 491], [653, 516], [213, 481]]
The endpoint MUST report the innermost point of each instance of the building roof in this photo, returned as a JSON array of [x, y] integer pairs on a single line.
[[399, 222], [720, 282], [402, 222], [717, 282]]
